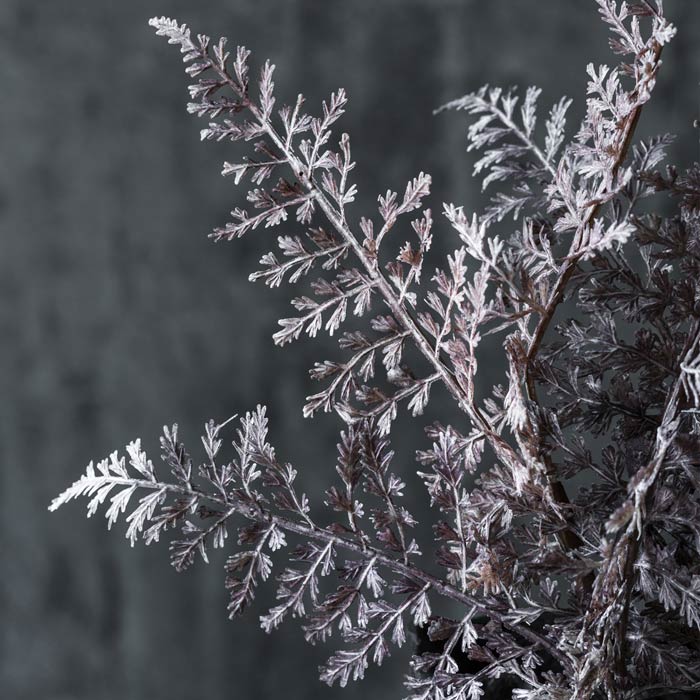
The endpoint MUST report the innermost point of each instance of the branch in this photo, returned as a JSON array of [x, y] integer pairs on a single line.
[[616, 579], [576, 253], [504, 452], [91, 483]]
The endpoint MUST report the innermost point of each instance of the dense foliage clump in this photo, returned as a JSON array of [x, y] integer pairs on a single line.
[[565, 591]]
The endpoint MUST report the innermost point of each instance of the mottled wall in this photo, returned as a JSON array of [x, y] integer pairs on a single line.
[[117, 313]]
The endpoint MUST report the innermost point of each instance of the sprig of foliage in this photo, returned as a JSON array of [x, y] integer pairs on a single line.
[[568, 592]]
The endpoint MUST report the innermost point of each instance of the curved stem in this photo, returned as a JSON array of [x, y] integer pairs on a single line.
[[568, 537]]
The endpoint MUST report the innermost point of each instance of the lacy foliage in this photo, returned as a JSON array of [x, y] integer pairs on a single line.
[[570, 592]]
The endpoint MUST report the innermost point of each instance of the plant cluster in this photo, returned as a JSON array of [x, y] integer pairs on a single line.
[[569, 591]]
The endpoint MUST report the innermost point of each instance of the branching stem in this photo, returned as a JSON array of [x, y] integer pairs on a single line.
[[569, 538]]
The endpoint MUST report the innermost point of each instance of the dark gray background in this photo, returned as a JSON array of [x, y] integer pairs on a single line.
[[119, 315]]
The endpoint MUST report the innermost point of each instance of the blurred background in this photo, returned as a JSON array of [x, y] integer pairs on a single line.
[[119, 315]]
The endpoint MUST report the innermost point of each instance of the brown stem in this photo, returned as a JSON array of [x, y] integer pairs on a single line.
[[568, 538]]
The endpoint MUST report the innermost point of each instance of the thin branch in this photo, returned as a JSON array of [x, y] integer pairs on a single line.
[[570, 538]]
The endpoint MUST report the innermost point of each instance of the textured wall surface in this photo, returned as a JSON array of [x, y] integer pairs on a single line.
[[119, 315]]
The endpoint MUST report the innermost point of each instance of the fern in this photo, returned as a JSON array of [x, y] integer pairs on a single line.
[[568, 592]]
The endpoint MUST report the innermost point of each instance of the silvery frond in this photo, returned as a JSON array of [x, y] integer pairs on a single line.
[[512, 155]]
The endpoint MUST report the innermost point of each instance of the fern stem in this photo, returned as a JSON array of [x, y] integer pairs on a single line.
[[625, 549], [569, 538], [442, 587]]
